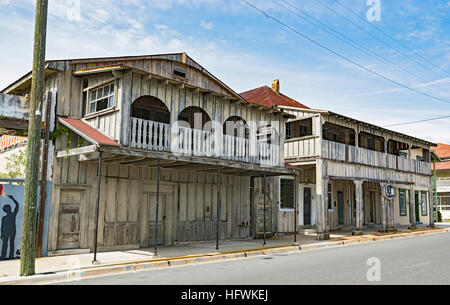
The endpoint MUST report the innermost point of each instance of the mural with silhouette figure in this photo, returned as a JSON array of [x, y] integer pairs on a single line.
[[11, 214], [11, 198], [8, 234]]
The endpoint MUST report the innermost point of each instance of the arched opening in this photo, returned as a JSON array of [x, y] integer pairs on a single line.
[[196, 117], [150, 108], [150, 124], [237, 127]]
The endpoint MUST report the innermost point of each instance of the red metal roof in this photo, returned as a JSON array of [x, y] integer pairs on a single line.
[[442, 150], [287, 165], [441, 166], [88, 132], [11, 141], [267, 97]]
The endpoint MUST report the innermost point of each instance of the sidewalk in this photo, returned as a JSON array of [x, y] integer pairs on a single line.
[[60, 268]]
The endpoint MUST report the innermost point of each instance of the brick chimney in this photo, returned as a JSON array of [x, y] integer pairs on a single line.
[[276, 85]]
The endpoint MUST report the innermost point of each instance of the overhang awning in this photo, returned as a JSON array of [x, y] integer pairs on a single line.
[[88, 132]]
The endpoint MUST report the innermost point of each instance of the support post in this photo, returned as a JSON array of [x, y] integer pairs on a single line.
[[43, 196], [97, 209], [412, 207], [28, 243], [295, 209], [265, 209], [359, 207], [218, 208], [384, 209], [158, 182], [435, 194], [323, 232]]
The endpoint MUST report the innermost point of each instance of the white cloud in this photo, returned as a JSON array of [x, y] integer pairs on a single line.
[[206, 25]]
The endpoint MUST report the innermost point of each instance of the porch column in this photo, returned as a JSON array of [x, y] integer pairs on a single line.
[[359, 206], [431, 207], [384, 208], [412, 207], [265, 209], [323, 229], [158, 182], [295, 209], [218, 208], [97, 209]]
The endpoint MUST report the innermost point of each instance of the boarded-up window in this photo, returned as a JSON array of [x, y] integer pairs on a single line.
[[287, 194]]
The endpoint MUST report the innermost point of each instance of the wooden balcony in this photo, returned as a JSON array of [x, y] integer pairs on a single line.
[[184, 141], [310, 148]]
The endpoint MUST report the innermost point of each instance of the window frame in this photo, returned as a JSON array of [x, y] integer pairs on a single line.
[[97, 87], [422, 193], [405, 213], [330, 197], [281, 209]]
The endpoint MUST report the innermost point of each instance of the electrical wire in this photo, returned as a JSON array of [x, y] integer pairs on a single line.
[[390, 37], [343, 57]]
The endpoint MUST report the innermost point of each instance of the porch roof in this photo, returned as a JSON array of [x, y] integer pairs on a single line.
[[114, 153]]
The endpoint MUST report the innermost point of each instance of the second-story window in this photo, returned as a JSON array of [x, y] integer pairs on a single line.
[[101, 98]]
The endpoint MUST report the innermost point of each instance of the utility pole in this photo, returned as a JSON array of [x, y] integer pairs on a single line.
[[28, 255]]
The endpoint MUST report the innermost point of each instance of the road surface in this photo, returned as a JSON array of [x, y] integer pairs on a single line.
[[417, 260]]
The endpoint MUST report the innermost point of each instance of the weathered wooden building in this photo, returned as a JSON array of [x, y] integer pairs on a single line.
[[130, 114], [353, 174]]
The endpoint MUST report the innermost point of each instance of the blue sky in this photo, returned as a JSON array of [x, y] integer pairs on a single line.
[[246, 50]]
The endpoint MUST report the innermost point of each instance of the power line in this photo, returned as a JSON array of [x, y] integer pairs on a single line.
[[390, 37], [352, 42], [343, 57], [421, 121], [373, 36]]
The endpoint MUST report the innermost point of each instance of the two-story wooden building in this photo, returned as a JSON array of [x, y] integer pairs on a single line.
[[354, 174], [153, 125]]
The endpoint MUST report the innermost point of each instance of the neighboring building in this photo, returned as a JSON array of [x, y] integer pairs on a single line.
[[443, 179], [353, 174], [122, 111], [9, 146]]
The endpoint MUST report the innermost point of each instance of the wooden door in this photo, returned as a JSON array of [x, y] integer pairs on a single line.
[[340, 199], [151, 210], [417, 201], [307, 206], [69, 220]]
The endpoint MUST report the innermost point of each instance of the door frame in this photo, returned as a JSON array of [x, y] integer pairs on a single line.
[[300, 193], [340, 208], [148, 187], [54, 214]]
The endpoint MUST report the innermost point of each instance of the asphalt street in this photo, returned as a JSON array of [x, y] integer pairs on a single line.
[[417, 260]]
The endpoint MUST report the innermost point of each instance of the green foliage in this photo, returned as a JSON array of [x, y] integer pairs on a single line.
[[439, 216], [16, 165]]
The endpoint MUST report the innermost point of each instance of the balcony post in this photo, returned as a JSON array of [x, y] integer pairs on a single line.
[[323, 229], [412, 207], [359, 206]]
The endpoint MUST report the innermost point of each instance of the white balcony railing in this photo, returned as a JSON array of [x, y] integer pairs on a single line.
[[184, 141], [348, 153]]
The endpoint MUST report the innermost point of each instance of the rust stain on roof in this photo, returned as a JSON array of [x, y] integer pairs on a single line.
[[267, 97], [89, 131]]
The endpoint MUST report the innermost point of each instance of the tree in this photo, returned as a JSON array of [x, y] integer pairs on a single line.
[[15, 167]]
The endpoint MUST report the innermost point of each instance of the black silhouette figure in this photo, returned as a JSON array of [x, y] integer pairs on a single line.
[[9, 228]]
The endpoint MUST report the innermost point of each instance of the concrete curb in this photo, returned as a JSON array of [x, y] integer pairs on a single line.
[[112, 269]]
